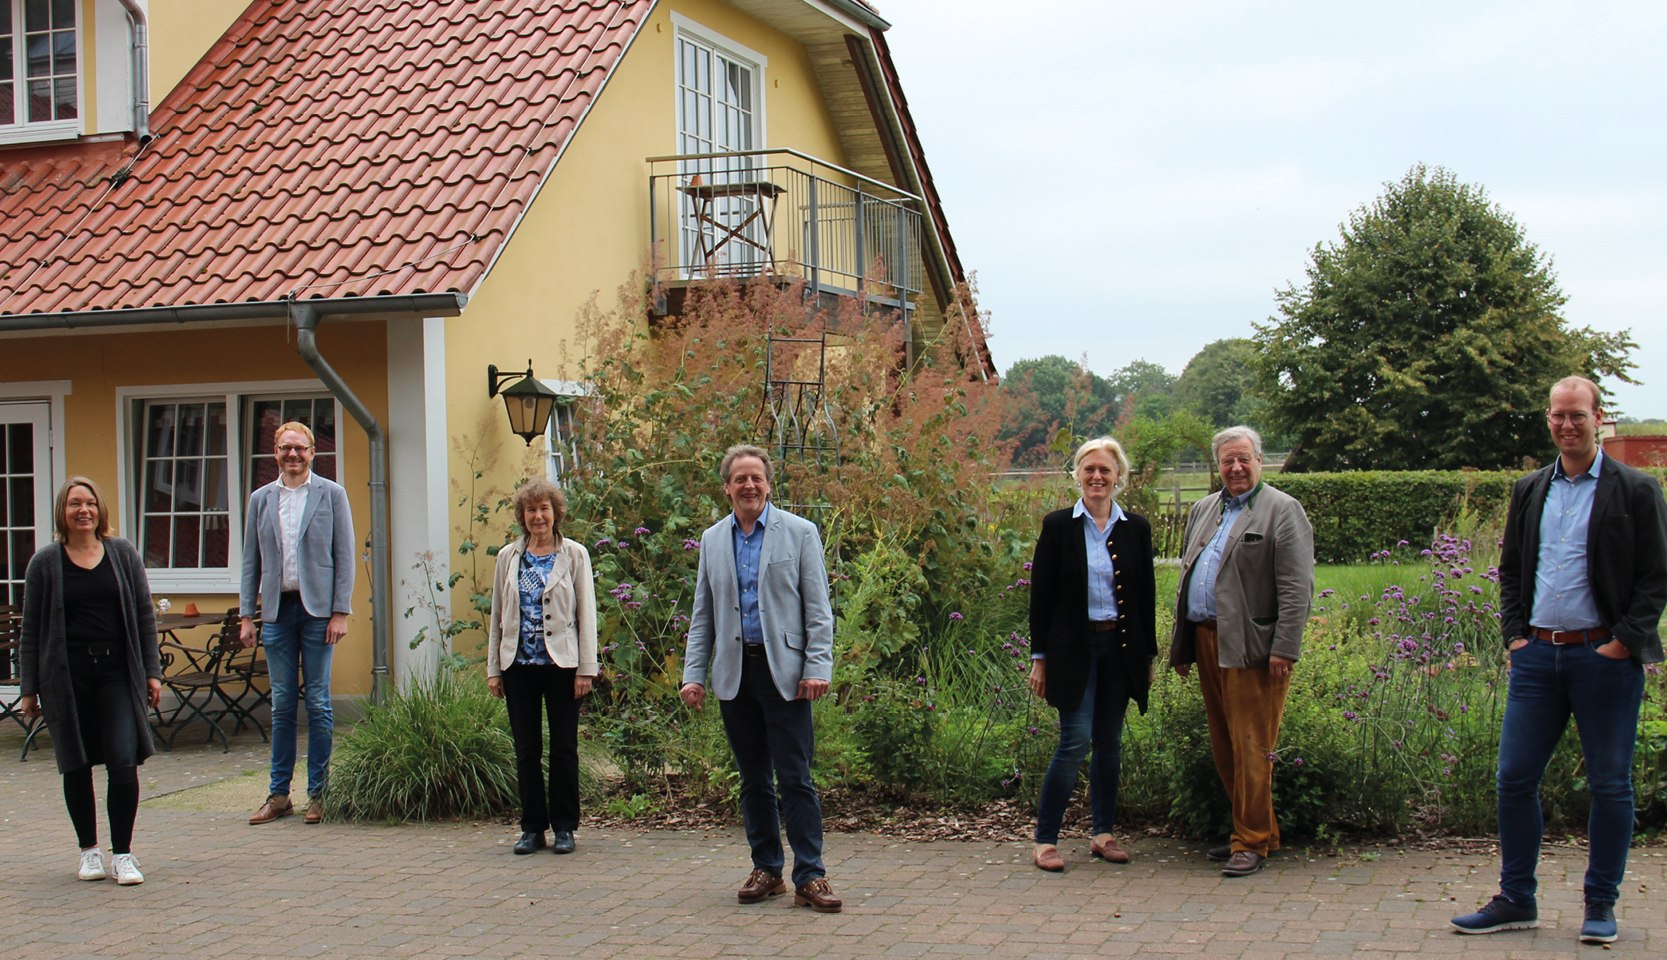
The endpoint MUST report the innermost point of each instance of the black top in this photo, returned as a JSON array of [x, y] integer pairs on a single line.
[[92, 604]]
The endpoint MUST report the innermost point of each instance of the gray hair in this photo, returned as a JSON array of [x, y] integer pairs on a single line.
[[1235, 433], [743, 450], [1110, 446]]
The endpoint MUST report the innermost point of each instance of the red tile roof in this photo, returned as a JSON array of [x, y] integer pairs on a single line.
[[325, 148]]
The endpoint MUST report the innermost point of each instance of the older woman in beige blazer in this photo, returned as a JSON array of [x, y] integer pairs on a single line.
[[541, 658]]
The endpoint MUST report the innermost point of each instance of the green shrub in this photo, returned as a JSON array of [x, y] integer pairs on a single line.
[[438, 751], [1356, 514]]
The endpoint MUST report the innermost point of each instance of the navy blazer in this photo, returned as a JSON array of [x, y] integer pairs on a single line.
[[1626, 555], [1059, 604]]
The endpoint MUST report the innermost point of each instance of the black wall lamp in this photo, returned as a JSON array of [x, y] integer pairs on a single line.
[[528, 402]]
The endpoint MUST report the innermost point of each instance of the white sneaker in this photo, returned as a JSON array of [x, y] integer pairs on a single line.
[[92, 865], [126, 869]]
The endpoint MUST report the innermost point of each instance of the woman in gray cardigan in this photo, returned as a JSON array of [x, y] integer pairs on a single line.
[[89, 662]]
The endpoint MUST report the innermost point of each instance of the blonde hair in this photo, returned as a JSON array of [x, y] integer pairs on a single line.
[[60, 527], [298, 427], [1107, 445]]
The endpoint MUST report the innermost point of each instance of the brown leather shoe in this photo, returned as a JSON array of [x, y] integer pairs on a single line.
[[1242, 863], [818, 896], [277, 805], [315, 811], [760, 886], [1047, 858], [1109, 851]]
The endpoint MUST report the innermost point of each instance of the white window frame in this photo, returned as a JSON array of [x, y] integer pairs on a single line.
[[205, 580], [23, 131], [560, 445], [684, 28]]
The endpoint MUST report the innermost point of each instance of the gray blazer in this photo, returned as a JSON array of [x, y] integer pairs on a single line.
[[1264, 588], [793, 608], [43, 650], [326, 547]]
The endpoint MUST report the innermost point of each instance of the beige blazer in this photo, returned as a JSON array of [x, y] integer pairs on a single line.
[[1264, 588], [569, 610]]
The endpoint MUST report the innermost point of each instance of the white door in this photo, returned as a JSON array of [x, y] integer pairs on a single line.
[[25, 500]]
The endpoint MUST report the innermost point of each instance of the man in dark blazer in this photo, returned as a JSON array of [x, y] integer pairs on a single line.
[[298, 552], [1582, 585], [762, 627], [1247, 582]]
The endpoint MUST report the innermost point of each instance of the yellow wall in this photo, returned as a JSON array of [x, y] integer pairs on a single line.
[[181, 31], [588, 230], [96, 365]]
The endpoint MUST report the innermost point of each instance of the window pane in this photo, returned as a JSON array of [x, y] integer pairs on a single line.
[[63, 52], [39, 52], [34, 15], [262, 471], [187, 534], [216, 541], [40, 101], [159, 486], [23, 546], [159, 431], [65, 107], [188, 486], [8, 110], [20, 448], [190, 442], [217, 429], [63, 13], [154, 541], [22, 502]]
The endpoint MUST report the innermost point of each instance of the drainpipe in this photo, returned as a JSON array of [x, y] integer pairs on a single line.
[[305, 317], [140, 70]]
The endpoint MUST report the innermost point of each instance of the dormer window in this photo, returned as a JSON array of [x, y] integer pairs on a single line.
[[39, 70]]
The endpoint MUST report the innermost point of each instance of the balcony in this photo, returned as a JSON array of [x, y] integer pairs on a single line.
[[787, 216]]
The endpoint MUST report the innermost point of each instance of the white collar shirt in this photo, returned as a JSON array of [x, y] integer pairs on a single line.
[[292, 506]]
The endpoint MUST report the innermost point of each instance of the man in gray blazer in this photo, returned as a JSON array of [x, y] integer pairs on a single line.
[[763, 629], [1247, 581], [298, 551]]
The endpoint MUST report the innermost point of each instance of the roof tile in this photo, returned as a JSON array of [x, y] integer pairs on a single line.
[[320, 149]]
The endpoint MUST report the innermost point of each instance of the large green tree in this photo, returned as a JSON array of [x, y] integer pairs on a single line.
[[1143, 389], [1218, 383], [1051, 394], [1425, 338]]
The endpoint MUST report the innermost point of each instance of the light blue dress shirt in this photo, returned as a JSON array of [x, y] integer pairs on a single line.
[[748, 548], [1102, 598], [1201, 595], [1562, 593]]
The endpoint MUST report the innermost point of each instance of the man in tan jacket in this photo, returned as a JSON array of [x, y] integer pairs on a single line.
[[1247, 581]]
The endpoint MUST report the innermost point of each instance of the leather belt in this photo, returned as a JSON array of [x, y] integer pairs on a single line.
[[753, 650], [1571, 637], [1102, 626]]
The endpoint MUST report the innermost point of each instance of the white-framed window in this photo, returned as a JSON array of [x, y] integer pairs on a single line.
[[40, 70], [560, 439], [720, 109], [194, 454]]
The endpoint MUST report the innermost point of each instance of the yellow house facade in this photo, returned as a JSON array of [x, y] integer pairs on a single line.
[[294, 211]]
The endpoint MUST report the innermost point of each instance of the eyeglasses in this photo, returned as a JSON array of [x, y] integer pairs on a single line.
[[1577, 419], [292, 448]]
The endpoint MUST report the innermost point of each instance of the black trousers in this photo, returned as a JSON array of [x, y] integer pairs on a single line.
[[534, 695], [109, 735]]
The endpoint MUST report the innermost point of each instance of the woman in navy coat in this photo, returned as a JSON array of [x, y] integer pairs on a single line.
[[1093, 640]]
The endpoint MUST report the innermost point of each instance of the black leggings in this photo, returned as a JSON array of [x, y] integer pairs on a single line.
[[109, 735], [121, 802]]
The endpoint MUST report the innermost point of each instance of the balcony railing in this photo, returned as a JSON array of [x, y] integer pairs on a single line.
[[781, 213]]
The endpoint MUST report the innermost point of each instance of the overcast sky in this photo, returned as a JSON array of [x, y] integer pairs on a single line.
[[1134, 180]]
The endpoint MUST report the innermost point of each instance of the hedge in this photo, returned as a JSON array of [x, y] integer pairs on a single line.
[[1359, 513]]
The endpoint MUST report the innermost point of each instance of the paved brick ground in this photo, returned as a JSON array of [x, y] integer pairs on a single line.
[[217, 887]]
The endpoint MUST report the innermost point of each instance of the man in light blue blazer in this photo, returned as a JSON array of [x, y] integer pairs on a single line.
[[762, 629], [298, 553]]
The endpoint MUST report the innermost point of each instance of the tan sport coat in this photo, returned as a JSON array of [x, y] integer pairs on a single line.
[[1264, 588]]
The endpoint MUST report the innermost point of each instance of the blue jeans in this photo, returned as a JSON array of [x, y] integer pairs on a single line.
[[299, 660], [773, 741], [1098, 722], [1548, 684]]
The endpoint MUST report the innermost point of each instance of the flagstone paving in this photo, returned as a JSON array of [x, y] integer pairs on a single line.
[[218, 887]]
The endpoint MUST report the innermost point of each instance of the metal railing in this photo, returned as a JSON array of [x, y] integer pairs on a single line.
[[783, 213]]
